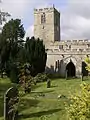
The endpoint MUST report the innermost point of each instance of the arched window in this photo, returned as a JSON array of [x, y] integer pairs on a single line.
[[43, 18], [57, 64]]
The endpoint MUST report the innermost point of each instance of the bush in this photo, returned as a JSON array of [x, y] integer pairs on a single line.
[[79, 108], [40, 77], [25, 79], [55, 75]]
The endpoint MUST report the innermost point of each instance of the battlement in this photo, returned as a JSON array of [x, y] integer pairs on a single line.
[[67, 50], [44, 10], [75, 41], [47, 9], [63, 42]]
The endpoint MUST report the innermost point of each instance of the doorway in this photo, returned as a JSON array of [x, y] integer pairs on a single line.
[[70, 68]]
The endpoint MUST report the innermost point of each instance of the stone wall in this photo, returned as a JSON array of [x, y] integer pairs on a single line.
[[49, 30], [77, 52], [59, 53]]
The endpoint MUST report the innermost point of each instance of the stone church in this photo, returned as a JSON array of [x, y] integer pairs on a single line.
[[63, 57]]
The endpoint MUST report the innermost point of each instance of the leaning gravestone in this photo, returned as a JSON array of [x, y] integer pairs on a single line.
[[10, 102]]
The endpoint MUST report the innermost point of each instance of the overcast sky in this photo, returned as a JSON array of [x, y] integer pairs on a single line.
[[75, 15]]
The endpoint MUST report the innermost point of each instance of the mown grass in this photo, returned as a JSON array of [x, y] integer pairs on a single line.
[[43, 103]]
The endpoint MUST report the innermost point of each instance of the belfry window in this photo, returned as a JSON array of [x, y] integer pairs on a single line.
[[43, 18]]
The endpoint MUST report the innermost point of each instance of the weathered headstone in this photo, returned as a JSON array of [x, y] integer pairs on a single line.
[[48, 83], [10, 101]]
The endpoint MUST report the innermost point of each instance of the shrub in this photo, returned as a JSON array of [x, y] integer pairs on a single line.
[[79, 108], [25, 79], [55, 75], [40, 77]]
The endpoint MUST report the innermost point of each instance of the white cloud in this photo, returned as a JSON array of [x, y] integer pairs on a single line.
[[22, 9], [75, 16], [29, 32], [75, 20], [15, 8]]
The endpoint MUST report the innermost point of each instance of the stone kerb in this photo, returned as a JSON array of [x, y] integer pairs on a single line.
[[10, 100]]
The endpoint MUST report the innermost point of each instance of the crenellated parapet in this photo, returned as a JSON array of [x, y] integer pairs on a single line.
[[70, 47], [46, 9]]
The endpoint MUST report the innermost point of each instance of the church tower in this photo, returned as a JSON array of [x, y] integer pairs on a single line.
[[47, 24]]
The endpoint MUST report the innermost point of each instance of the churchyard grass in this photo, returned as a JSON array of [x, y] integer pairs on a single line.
[[43, 103]]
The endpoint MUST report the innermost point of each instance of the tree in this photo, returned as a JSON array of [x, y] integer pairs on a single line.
[[14, 51], [13, 33], [4, 53], [3, 16], [35, 55], [11, 43]]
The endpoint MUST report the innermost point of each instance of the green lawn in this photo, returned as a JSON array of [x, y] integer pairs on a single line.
[[42, 103]]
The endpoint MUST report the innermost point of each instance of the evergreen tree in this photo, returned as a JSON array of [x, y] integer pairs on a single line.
[[35, 55], [11, 42]]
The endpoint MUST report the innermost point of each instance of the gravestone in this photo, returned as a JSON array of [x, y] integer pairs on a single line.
[[10, 102], [48, 83]]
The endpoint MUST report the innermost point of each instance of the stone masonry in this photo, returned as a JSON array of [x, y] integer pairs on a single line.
[[47, 24], [63, 57]]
